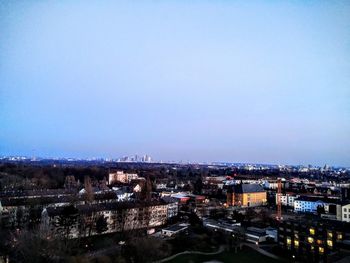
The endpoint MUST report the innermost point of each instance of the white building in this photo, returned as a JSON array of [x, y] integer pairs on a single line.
[[160, 186], [121, 177], [287, 199], [345, 213]]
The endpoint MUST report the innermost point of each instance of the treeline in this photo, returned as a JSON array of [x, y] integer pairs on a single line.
[[24, 176]]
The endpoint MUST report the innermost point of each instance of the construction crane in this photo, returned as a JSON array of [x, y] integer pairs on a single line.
[[279, 205]]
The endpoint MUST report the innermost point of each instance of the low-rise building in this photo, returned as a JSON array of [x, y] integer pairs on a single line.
[[255, 235], [174, 230], [222, 226]]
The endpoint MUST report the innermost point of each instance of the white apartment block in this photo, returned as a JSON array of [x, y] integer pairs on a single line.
[[287, 199], [345, 213], [122, 177]]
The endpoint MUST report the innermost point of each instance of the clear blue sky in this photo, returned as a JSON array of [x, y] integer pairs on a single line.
[[240, 81]]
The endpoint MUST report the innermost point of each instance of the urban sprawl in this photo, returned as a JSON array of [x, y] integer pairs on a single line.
[[137, 210]]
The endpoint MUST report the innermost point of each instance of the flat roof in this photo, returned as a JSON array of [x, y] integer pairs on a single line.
[[175, 228]]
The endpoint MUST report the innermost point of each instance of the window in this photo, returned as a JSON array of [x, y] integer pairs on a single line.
[[321, 250], [330, 243], [345, 216], [329, 234], [310, 240], [312, 231], [339, 236], [296, 243], [289, 241], [345, 210]]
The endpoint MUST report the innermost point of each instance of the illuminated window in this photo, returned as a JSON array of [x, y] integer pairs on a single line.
[[330, 243], [296, 243], [289, 241], [312, 247], [339, 236], [312, 231], [319, 242], [321, 250], [330, 234], [310, 240]]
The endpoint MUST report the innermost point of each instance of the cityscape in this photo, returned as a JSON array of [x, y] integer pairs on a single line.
[[174, 131]]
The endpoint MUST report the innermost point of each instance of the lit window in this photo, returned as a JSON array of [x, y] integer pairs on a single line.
[[339, 236], [310, 240], [296, 243], [312, 231], [289, 241], [330, 243], [319, 241], [321, 250], [330, 234], [312, 247]]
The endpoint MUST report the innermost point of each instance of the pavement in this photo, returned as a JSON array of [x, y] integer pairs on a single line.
[[220, 250]]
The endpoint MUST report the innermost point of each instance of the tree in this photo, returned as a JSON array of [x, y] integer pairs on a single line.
[[89, 192], [198, 186], [67, 221], [101, 224]]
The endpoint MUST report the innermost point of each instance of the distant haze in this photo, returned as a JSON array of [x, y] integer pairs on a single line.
[[240, 81]]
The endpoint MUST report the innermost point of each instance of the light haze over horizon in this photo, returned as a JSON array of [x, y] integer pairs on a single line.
[[235, 81]]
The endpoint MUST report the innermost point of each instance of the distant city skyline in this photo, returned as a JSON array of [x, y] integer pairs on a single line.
[[153, 160], [198, 81]]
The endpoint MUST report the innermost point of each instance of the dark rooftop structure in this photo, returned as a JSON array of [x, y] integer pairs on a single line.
[[247, 188], [335, 200]]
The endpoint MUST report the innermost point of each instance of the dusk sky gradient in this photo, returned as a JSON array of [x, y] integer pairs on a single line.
[[238, 81]]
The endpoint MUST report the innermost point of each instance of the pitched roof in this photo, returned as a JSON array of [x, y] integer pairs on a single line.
[[247, 188]]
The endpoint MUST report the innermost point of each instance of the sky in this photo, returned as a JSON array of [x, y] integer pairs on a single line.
[[235, 81]]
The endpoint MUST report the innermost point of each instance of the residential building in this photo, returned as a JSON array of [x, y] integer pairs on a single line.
[[345, 213], [287, 199], [120, 216], [121, 177], [309, 204], [310, 241]]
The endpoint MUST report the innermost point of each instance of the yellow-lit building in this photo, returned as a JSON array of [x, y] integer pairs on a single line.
[[246, 195]]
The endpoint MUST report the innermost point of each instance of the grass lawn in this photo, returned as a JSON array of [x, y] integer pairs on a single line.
[[246, 255]]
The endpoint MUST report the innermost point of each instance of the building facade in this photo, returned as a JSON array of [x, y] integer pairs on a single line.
[[121, 177], [287, 199], [345, 213], [246, 195], [310, 241], [119, 217]]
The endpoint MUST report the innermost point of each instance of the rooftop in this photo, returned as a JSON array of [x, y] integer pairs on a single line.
[[247, 188]]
